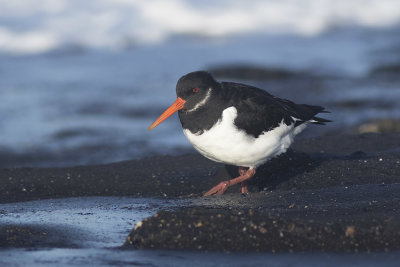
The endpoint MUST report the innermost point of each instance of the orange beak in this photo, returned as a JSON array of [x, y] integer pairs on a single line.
[[177, 105]]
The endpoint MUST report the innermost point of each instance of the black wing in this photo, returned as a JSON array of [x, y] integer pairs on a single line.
[[259, 111]]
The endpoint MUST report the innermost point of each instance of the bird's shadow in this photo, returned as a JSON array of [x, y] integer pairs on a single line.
[[278, 170]]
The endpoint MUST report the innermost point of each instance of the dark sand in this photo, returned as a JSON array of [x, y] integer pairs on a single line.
[[332, 193], [34, 236]]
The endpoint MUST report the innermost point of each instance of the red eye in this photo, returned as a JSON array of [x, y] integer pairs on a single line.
[[195, 90]]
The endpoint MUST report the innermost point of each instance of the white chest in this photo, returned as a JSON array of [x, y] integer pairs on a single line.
[[225, 143]]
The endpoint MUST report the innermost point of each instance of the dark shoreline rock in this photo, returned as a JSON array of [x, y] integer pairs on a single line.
[[332, 193], [342, 196], [378, 126], [35, 236], [248, 230], [340, 219], [388, 69], [338, 160], [162, 176]]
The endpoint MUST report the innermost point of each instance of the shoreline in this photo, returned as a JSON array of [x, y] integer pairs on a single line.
[[332, 193]]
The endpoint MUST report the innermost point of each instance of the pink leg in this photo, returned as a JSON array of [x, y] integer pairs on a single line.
[[222, 186], [244, 188], [242, 171]]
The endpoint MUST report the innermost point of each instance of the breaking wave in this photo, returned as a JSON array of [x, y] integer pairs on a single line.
[[29, 26]]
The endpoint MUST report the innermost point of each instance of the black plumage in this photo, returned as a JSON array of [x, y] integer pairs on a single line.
[[218, 119], [257, 110]]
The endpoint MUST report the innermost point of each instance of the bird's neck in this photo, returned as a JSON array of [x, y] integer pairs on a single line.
[[203, 118]]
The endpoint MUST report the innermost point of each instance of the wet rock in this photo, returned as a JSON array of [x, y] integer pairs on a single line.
[[331, 193], [73, 133], [358, 104], [340, 196], [34, 236], [316, 227], [340, 219], [378, 126], [162, 176], [386, 70], [314, 163]]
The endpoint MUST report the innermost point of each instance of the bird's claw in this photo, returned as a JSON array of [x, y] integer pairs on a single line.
[[219, 189]]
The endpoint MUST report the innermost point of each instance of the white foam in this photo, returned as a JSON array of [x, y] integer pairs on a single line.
[[29, 26]]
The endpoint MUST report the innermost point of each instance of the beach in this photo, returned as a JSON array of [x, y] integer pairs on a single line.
[[83, 182], [335, 193]]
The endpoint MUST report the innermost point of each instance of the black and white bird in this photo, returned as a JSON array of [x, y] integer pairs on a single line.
[[237, 124]]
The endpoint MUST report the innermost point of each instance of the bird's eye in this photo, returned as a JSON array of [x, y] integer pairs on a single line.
[[195, 90]]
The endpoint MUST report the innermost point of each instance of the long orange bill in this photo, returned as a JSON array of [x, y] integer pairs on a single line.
[[177, 105]]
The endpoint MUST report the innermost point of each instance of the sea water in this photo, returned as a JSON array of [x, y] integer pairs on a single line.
[[94, 229], [80, 82]]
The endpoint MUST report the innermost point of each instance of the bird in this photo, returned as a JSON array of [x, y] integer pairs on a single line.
[[237, 124]]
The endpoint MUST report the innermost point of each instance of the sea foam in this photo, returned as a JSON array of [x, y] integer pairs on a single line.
[[28, 26]]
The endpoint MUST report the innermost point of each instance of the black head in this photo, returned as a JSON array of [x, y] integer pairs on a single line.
[[194, 88], [194, 91]]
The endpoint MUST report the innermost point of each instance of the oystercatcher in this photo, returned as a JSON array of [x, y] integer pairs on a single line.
[[237, 124]]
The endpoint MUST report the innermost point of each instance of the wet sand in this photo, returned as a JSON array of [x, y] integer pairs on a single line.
[[333, 193]]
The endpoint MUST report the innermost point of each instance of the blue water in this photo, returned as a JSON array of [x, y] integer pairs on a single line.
[[95, 228], [80, 83], [96, 105], [89, 222], [112, 257]]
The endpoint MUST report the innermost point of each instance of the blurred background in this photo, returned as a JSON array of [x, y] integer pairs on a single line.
[[80, 81]]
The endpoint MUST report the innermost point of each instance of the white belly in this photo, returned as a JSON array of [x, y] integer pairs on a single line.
[[225, 143]]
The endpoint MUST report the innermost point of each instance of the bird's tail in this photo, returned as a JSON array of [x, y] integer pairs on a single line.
[[318, 120], [316, 110]]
